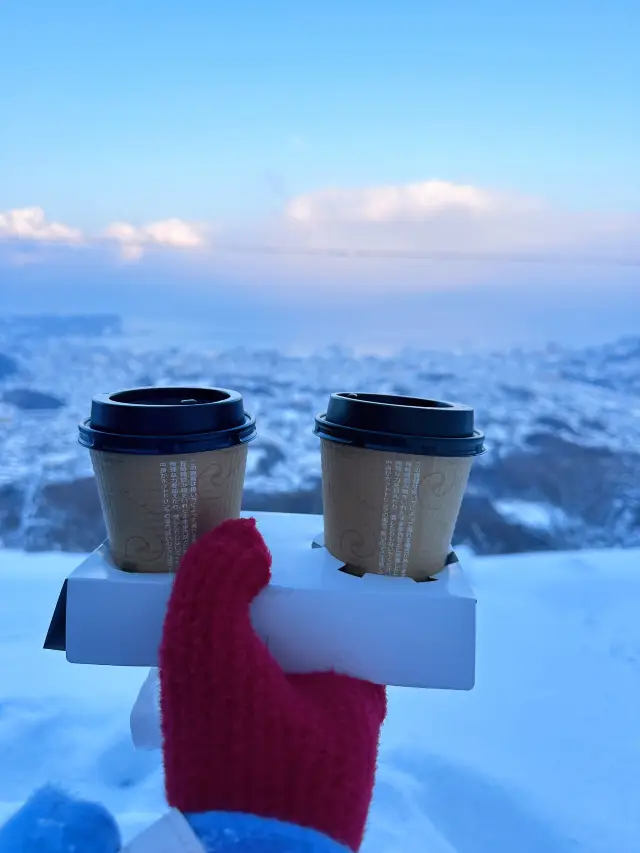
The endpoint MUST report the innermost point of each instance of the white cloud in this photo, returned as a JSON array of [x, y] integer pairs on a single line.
[[30, 223], [413, 202], [423, 235], [457, 232], [443, 217], [175, 233]]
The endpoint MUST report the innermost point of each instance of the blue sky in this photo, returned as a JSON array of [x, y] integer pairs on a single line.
[[459, 126], [203, 109]]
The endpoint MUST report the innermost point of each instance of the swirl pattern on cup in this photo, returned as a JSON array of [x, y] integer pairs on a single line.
[[213, 481], [139, 549], [361, 544]]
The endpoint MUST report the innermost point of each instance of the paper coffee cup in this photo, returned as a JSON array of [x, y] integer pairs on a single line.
[[394, 472], [169, 465]]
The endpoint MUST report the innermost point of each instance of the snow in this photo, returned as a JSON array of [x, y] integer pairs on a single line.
[[586, 394], [532, 514], [541, 756], [552, 416]]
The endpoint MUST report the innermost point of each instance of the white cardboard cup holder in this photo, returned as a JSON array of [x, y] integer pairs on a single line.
[[313, 616]]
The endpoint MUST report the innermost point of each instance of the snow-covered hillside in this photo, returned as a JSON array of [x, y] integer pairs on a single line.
[[562, 468], [542, 757]]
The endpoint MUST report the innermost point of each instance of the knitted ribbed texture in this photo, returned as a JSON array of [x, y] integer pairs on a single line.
[[239, 734]]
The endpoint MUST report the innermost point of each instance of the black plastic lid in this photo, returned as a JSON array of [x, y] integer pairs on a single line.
[[400, 425], [167, 420]]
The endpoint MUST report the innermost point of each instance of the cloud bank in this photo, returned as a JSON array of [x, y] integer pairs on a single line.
[[413, 202], [432, 220], [30, 223], [175, 233], [442, 217]]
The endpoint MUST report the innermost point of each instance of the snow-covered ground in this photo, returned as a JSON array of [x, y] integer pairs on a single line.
[[542, 757]]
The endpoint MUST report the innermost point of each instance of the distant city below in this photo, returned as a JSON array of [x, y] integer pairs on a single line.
[[561, 423]]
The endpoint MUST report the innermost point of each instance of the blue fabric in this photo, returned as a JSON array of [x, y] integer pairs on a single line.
[[53, 822], [233, 832]]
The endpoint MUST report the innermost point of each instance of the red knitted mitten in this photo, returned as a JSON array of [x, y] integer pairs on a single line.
[[239, 734]]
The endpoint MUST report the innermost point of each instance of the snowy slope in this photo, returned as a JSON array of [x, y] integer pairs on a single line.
[[542, 757]]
